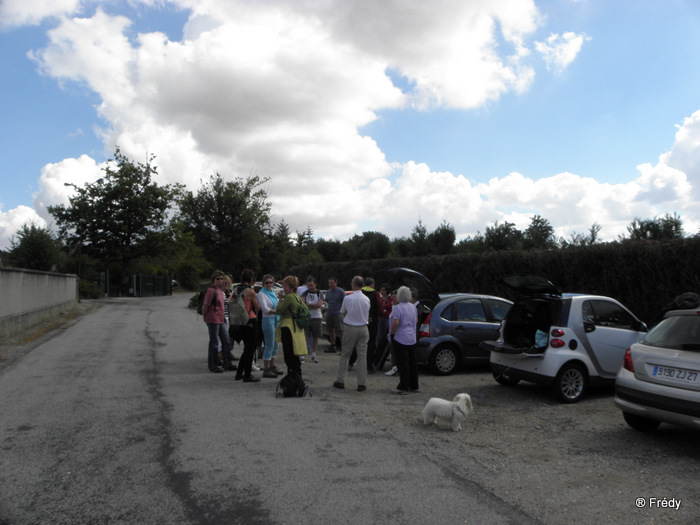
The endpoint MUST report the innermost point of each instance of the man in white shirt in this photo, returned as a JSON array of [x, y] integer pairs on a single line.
[[355, 308]]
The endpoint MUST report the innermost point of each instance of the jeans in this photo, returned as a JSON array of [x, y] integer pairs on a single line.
[[218, 334], [269, 326], [250, 342]]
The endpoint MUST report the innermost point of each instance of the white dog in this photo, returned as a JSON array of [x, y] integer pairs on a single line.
[[455, 411]]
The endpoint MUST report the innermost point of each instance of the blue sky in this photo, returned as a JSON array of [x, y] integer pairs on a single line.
[[363, 116]]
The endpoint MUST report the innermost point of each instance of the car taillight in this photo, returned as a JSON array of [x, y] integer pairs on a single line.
[[627, 361], [557, 332], [556, 343], [424, 330]]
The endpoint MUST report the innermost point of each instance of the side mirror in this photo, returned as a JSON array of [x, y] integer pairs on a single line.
[[588, 327]]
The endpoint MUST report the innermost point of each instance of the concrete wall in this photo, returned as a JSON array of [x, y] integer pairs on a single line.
[[28, 297]]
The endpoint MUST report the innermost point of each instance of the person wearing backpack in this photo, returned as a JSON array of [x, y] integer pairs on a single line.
[[250, 329], [292, 336], [213, 314]]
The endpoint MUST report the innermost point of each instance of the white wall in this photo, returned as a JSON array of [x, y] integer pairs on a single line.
[[28, 297]]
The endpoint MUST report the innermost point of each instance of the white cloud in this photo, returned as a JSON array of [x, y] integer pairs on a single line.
[[12, 220], [31, 12], [558, 51], [281, 89]]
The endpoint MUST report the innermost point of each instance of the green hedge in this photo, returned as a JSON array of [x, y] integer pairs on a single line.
[[642, 275]]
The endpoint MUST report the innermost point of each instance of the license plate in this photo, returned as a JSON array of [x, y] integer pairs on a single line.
[[677, 374]]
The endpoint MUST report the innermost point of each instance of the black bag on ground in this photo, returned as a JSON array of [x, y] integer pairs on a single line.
[[292, 385]]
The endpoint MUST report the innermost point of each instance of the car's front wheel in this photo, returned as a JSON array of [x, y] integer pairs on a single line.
[[641, 423], [571, 383], [443, 361]]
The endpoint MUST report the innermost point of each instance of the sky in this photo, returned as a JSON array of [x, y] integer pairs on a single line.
[[363, 115]]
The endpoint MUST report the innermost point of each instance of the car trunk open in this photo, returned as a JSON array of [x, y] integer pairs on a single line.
[[537, 307]]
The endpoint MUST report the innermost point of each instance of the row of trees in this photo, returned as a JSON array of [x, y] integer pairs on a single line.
[[125, 223]]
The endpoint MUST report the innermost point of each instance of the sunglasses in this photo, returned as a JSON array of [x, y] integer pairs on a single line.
[[219, 279], [268, 282]]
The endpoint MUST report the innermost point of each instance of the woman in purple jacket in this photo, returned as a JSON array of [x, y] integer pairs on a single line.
[[402, 327]]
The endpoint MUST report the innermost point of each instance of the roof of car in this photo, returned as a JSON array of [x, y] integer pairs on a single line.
[[444, 296], [691, 311]]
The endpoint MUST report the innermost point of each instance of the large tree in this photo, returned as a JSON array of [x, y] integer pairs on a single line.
[[229, 220], [539, 235], [503, 237], [442, 240], [36, 248], [369, 245], [670, 226], [116, 218]]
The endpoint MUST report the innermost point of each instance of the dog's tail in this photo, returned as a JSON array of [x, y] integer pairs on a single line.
[[469, 403]]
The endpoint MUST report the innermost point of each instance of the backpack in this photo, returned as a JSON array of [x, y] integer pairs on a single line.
[[200, 300], [303, 316], [237, 313], [292, 385]]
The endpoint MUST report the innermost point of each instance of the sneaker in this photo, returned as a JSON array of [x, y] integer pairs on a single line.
[[277, 370], [392, 372], [251, 379], [336, 384], [268, 372], [400, 392], [330, 350], [361, 388], [255, 368], [216, 370], [313, 359], [301, 358]]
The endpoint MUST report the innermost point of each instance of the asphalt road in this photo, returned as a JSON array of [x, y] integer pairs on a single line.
[[116, 419]]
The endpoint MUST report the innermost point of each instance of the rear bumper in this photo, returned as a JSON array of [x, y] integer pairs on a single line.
[[424, 346], [522, 375], [659, 402], [502, 348]]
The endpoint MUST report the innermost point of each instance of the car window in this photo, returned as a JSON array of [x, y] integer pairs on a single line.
[[608, 314], [468, 310], [678, 332], [499, 309]]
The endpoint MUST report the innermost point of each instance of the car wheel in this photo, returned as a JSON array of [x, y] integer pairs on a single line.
[[443, 361], [502, 378], [641, 423], [570, 383]]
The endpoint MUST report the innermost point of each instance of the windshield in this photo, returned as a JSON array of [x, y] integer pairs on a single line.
[[679, 332]]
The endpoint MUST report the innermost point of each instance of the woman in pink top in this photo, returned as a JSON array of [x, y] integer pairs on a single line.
[[213, 314]]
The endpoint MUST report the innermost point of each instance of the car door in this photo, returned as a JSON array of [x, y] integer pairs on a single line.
[[614, 331], [470, 325]]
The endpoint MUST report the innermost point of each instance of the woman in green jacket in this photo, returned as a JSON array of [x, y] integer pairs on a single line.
[[291, 336]]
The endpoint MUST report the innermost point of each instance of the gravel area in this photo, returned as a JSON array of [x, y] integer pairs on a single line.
[[557, 463]]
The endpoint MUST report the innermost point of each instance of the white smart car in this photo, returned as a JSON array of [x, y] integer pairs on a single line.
[[568, 341]]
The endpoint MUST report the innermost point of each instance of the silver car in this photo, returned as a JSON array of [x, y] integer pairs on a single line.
[[450, 335], [660, 376]]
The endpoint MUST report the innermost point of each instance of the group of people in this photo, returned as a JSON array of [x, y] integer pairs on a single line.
[[276, 318], [361, 325]]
